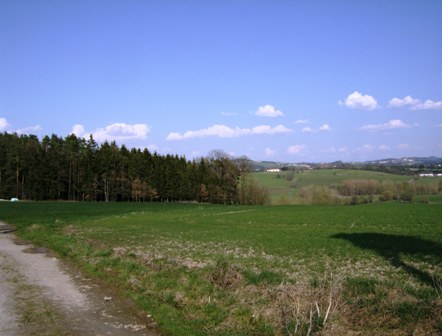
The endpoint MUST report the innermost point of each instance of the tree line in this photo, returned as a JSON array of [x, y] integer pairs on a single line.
[[78, 169], [356, 191]]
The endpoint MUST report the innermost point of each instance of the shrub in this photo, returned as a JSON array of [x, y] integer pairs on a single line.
[[319, 195], [407, 196], [387, 195]]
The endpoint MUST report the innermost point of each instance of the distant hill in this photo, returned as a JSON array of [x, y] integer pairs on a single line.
[[408, 161], [405, 162]]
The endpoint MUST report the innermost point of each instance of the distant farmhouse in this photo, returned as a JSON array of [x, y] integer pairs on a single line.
[[273, 170]]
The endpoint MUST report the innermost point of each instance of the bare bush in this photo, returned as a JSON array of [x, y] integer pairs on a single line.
[[305, 309], [225, 275], [292, 309]]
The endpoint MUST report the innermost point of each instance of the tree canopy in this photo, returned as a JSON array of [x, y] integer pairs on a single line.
[[79, 169]]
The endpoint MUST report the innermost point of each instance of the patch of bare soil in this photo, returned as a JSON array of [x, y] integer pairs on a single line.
[[41, 296]]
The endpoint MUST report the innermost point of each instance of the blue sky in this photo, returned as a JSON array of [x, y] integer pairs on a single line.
[[290, 81]]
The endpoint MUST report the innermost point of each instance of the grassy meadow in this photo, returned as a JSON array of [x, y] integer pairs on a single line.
[[373, 269], [284, 187]]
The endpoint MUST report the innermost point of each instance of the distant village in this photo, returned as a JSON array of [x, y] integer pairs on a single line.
[[278, 170], [422, 167], [430, 174]]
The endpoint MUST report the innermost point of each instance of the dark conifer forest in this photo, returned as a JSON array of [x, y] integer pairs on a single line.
[[76, 169]]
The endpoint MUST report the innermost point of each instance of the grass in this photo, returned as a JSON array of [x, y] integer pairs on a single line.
[[246, 270], [333, 176], [279, 186], [284, 191]]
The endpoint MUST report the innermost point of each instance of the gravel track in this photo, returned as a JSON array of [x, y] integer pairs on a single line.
[[39, 295]]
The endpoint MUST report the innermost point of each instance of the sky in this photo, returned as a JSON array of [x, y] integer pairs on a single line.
[[290, 81]]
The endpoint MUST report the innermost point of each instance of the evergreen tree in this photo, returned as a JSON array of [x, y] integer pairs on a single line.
[[73, 168]]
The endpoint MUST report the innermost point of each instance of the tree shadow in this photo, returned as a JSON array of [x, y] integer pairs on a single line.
[[392, 247]]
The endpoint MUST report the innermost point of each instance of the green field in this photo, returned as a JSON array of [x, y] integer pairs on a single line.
[[284, 186], [242, 270]]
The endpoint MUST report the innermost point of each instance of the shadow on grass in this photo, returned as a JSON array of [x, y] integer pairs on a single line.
[[394, 247]]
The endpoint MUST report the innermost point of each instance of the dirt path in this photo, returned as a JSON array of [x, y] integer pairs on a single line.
[[40, 296]]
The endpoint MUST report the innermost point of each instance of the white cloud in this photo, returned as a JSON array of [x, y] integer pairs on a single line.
[[439, 126], [392, 124], [296, 149], [268, 111], [372, 148], [384, 148], [4, 125], [121, 131], [28, 130], [356, 100], [265, 129], [407, 147], [415, 104], [78, 130], [323, 128], [407, 101], [175, 136], [153, 148], [228, 114], [301, 121], [223, 131], [269, 151], [114, 132], [366, 148], [344, 149], [428, 105]]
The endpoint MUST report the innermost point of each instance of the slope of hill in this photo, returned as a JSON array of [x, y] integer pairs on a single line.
[[284, 187]]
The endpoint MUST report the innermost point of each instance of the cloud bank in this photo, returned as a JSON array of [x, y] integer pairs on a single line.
[[392, 124], [415, 104], [28, 130], [114, 132], [223, 131], [5, 126], [357, 100]]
